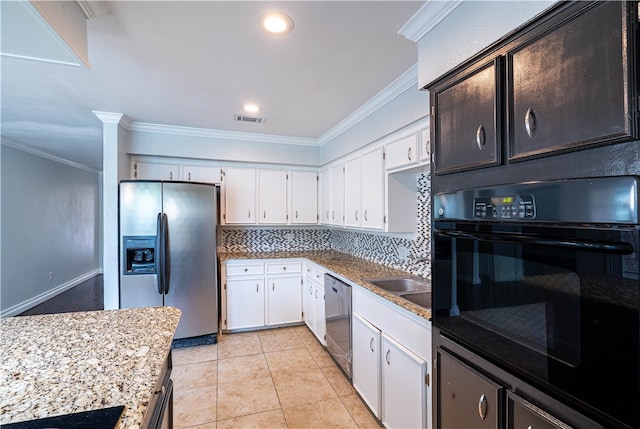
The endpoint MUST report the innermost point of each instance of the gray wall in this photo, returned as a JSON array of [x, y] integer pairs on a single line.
[[49, 225]]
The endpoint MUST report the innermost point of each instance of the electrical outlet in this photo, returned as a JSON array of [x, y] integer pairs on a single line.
[[403, 252], [50, 275]]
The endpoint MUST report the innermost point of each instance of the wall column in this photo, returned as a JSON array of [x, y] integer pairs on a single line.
[[115, 167]]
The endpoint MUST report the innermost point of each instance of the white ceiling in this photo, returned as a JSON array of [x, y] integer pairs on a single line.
[[194, 64]]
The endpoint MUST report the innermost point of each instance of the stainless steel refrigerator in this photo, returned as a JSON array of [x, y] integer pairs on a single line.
[[168, 251]]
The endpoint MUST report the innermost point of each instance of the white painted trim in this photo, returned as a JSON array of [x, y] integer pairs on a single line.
[[93, 9], [391, 91], [114, 118], [39, 299], [426, 18], [36, 152], [219, 134]]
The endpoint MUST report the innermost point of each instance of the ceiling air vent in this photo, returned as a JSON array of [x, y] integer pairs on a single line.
[[245, 118]]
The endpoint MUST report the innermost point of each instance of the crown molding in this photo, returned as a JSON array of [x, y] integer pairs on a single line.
[[220, 134], [391, 91], [93, 9], [426, 18], [114, 118], [36, 152]]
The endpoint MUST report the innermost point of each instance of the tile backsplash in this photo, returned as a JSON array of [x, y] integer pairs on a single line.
[[411, 255]]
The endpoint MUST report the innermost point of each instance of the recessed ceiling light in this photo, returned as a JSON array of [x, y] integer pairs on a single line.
[[275, 23], [251, 107]]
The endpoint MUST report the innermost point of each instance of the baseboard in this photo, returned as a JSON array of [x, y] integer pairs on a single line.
[[39, 299]]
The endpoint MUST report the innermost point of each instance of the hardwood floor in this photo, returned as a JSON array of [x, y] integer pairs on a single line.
[[87, 296]]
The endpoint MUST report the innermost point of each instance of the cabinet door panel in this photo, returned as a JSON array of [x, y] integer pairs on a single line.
[[283, 300], [272, 196], [318, 314], [304, 197], [404, 387], [366, 362], [245, 303], [325, 197], [154, 171], [352, 195], [569, 88], [466, 399], [199, 173], [240, 196], [373, 190], [467, 122], [337, 195]]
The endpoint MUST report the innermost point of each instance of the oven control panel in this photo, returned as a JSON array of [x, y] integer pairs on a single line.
[[505, 207]]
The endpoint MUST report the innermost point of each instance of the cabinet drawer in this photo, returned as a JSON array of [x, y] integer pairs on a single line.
[[245, 269], [284, 267], [467, 398], [402, 153], [522, 414]]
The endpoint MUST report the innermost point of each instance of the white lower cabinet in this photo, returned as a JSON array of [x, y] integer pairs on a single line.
[[391, 351], [366, 362], [313, 297], [245, 303], [404, 386], [256, 294], [283, 300]]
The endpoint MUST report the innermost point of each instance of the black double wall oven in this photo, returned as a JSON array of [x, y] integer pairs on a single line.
[[541, 281]]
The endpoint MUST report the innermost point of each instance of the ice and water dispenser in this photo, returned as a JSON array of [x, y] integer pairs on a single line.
[[139, 255]]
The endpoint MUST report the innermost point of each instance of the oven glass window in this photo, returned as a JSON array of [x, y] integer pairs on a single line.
[[558, 306]]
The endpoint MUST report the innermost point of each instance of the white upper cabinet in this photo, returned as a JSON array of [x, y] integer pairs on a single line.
[[372, 207], [272, 197], [304, 197], [143, 170], [201, 174], [239, 196], [403, 153], [325, 196], [337, 194], [352, 192], [425, 146]]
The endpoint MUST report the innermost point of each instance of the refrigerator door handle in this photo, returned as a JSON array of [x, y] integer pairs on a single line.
[[166, 254], [158, 255]]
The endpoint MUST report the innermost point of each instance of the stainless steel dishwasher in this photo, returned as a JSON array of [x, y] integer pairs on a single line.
[[337, 307]]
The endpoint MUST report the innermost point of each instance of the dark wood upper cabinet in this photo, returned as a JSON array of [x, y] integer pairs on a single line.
[[570, 87], [564, 82], [467, 128]]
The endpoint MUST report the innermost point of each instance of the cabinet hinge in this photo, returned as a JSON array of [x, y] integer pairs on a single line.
[[302, 314], [287, 176], [325, 337], [385, 219], [384, 155], [426, 379], [225, 286], [433, 110], [638, 12], [317, 178], [225, 322], [224, 216]]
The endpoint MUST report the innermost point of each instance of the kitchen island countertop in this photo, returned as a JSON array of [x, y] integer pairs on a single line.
[[65, 363], [352, 268]]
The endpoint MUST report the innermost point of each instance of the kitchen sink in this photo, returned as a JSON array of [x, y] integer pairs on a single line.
[[423, 299], [398, 285]]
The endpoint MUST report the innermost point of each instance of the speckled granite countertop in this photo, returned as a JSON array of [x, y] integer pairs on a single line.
[[57, 364], [350, 267]]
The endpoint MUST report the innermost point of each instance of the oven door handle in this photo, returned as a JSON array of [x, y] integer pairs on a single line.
[[534, 240]]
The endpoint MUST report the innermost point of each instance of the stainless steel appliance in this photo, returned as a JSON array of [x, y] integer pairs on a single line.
[[541, 280], [337, 306], [168, 251]]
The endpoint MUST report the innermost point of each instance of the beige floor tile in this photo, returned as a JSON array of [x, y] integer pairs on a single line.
[[302, 387], [195, 354], [320, 356], [290, 361], [195, 375], [269, 419], [232, 345], [210, 425], [194, 407], [329, 413], [238, 369], [359, 412], [306, 335], [338, 381], [248, 397], [280, 339]]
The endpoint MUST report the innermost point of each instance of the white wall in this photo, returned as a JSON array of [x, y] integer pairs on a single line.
[[49, 219], [210, 148], [467, 30]]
